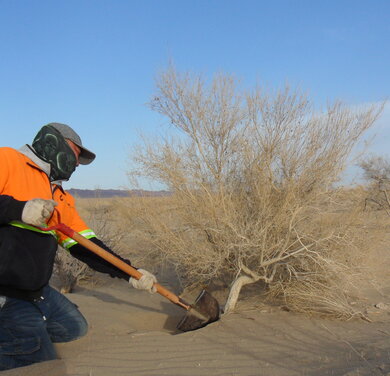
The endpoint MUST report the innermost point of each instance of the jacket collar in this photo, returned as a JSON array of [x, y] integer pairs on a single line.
[[28, 151]]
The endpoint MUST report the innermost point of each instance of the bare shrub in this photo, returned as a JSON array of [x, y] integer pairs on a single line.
[[377, 174], [251, 177], [132, 214], [70, 271], [100, 216]]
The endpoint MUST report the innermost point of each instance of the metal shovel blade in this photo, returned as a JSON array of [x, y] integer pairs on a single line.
[[204, 311]]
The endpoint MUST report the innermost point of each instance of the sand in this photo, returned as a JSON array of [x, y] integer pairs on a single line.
[[133, 333]]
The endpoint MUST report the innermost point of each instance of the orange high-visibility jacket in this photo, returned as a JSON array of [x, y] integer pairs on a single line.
[[26, 253], [24, 180]]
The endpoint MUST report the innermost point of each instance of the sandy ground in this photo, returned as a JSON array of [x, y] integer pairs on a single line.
[[133, 333]]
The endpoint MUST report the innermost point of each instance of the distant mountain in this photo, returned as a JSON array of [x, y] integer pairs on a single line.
[[107, 193]]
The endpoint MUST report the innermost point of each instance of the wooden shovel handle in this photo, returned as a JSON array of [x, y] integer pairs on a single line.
[[128, 269]]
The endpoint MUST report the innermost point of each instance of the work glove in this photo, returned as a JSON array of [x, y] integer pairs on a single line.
[[145, 282], [37, 211]]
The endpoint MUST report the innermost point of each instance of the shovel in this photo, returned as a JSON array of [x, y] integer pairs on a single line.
[[204, 311]]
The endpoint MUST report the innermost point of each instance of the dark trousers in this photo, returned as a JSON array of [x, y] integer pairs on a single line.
[[29, 329]]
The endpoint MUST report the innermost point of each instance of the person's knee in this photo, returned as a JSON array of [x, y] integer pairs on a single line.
[[66, 323], [83, 327], [69, 330], [79, 328]]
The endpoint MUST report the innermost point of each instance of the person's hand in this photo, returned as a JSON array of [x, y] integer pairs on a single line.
[[145, 282], [37, 211]]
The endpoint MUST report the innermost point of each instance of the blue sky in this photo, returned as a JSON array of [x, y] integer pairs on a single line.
[[92, 63]]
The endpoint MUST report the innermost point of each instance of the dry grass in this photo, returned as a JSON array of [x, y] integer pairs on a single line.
[[69, 271], [326, 281], [99, 216]]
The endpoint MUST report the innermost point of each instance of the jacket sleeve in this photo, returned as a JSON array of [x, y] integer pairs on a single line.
[[10, 209], [97, 263]]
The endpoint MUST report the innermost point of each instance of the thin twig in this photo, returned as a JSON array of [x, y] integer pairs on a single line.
[[352, 348]]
